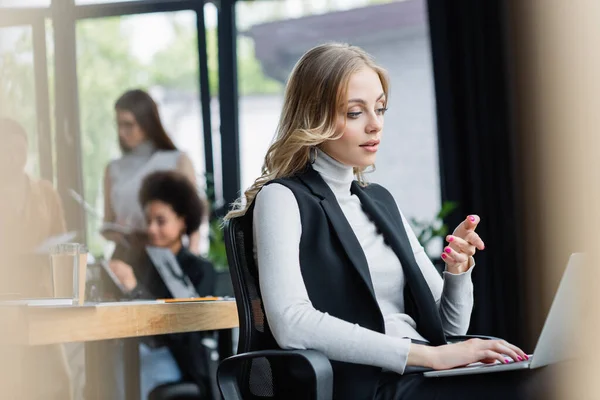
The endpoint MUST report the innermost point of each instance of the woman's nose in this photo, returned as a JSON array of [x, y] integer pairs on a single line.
[[375, 125], [151, 228]]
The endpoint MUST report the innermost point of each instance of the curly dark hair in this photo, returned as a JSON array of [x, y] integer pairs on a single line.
[[176, 190]]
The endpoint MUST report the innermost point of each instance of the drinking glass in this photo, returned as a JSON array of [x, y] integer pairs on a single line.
[[69, 265]]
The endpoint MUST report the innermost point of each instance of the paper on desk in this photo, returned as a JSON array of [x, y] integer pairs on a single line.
[[52, 241], [38, 302]]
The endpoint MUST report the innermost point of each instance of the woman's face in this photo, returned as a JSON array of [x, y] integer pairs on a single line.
[[165, 227], [130, 132], [363, 112]]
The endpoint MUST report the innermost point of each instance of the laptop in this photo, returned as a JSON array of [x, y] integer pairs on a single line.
[[555, 339]]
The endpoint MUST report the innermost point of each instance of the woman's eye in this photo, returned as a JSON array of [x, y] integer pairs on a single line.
[[381, 111], [354, 114]]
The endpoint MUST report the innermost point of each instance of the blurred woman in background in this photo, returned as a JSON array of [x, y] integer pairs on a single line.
[[173, 209], [30, 212], [146, 148]]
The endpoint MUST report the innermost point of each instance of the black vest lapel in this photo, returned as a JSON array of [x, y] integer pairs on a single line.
[[425, 311], [340, 224]]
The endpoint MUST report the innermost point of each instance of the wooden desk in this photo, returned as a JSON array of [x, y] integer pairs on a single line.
[[103, 321], [96, 322]]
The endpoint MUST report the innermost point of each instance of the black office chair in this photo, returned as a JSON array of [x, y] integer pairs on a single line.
[[178, 391], [261, 370]]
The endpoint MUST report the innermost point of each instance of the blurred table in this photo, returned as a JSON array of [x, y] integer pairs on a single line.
[[95, 322], [102, 321]]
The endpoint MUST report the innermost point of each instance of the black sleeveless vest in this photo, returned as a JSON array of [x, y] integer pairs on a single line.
[[336, 274]]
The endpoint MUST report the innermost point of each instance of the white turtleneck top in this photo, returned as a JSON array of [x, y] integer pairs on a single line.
[[296, 324], [125, 176]]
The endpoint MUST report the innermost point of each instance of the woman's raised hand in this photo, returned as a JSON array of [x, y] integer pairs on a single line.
[[462, 245]]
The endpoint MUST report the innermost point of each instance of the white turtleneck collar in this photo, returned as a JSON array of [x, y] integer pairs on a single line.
[[338, 176], [142, 150]]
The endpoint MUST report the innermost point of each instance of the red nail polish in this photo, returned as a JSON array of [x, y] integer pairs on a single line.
[[448, 250], [519, 358], [526, 357], [444, 256], [450, 239], [472, 218], [506, 361]]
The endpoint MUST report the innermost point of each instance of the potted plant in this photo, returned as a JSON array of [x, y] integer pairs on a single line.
[[217, 253]]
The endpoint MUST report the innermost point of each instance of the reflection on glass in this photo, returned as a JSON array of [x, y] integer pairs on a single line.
[[156, 52], [272, 37], [17, 86]]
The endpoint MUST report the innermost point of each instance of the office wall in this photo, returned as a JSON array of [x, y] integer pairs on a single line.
[[556, 74]]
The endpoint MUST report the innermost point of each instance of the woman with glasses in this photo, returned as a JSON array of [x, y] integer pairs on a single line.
[[146, 148]]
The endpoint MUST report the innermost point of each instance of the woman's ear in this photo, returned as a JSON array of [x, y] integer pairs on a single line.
[[183, 226]]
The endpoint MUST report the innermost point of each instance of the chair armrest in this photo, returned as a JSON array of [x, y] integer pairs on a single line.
[[177, 390], [314, 363]]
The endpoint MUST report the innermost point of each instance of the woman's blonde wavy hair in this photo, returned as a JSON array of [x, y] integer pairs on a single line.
[[315, 93]]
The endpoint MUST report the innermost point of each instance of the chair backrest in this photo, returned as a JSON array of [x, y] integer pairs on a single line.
[[244, 277], [256, 378]]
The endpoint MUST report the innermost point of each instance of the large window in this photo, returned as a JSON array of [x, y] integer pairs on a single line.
[[272, 37], [155, 52]]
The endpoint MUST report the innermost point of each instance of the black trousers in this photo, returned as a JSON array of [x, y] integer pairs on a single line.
[[509, 385]]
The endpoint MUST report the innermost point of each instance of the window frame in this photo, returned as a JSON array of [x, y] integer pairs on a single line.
[[64, 15]]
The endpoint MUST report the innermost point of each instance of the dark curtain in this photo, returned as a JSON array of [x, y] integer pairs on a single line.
[[476, 153]]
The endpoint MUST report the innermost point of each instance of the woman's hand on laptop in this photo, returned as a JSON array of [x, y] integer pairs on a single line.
[[464, 353], [462, 245]]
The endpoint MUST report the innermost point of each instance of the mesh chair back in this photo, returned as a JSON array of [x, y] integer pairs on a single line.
[[255, 379]]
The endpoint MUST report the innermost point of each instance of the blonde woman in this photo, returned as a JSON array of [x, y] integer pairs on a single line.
[[340, 269]]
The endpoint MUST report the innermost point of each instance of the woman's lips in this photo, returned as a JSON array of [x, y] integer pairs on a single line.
[[371, 146]]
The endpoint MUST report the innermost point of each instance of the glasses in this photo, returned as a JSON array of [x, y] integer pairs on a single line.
[[126, 125]]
